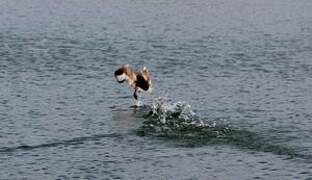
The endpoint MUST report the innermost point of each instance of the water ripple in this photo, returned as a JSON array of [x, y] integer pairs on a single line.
[[74, 141]]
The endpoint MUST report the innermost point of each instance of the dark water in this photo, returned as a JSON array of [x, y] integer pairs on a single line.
[[246, 65]]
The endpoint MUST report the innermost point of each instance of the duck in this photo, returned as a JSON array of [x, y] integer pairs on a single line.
[[140, 81]]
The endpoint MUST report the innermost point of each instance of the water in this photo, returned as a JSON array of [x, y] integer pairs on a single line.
[[242, 68]]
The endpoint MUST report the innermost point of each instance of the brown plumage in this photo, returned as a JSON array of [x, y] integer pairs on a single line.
[[140, 81]]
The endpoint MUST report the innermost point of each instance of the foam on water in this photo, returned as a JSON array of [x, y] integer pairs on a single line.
[[177, 120], [174, 113]]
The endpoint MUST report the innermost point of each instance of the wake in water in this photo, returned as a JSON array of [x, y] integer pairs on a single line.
[[174, 113], [177, 120]]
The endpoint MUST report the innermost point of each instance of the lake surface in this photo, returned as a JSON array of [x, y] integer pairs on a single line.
[[245, 66]]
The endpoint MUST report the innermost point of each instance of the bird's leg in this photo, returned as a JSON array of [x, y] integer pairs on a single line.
[[135, 94]]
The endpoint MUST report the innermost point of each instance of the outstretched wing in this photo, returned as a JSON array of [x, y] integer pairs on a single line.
[[142, 83]]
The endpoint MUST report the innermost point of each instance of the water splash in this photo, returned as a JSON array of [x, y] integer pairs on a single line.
[[174, 113], [177, 120], [138, 103]]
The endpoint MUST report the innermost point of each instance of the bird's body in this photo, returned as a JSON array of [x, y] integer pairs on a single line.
[[140, 81]]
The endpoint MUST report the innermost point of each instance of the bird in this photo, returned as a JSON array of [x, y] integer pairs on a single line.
[[140, 81]]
